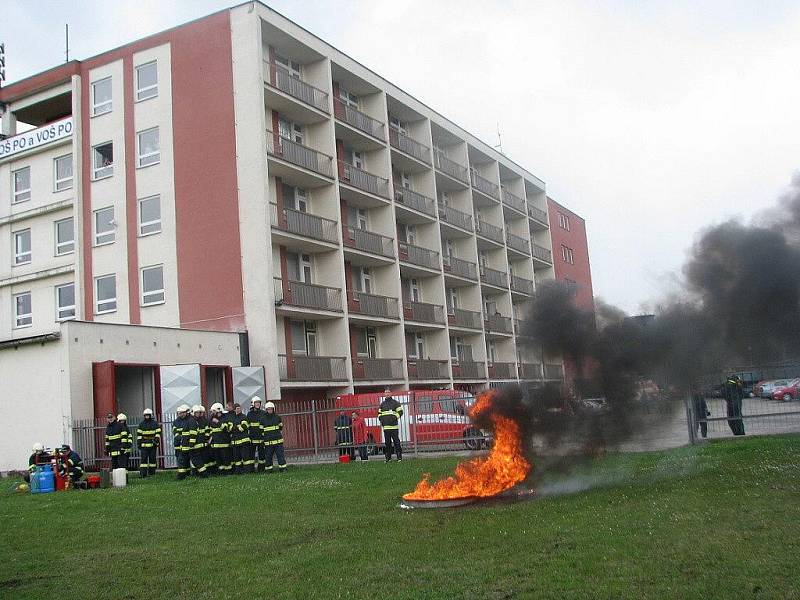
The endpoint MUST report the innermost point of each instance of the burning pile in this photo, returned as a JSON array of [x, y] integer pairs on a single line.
[[505, 466]]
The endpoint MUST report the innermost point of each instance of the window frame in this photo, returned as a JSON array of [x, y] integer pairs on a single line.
[[159, 292], [141, 157], [97, 172], [14, 236], [96, 108], [95, 233], [60, 308], [97, 301], [140, 91], [59, 244], [56, 180], [28, 315], [143, 224], [16, 193]]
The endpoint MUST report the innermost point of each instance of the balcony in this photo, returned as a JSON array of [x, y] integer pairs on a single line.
[[307, 295], [377, 368], [427, 369], [542, 254], [455, 217], [450, 167], [417, 255], [415, 200], [469, 370], [555, 372], [312, 368], [299, 155], [280, 78], [537, 214], [423, 312], [402, 142], [513, 201], [363, 180], [518, 243], [361, 239], [305, 224], [462, 268], [493, 277], [530, 371], [358, 119], [492, 232], [374, 306], [502, 371], [485, 186], [458, 317], [521, 285], [497, 324]]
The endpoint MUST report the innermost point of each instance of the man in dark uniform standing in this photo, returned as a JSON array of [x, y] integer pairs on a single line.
[[344, 433], [148, 435], [389, 415], [733, 404]]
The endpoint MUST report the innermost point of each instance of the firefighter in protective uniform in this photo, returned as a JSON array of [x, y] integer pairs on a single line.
[[389, 415], [240, 441], [198, 453], [220, 439], [273, 438], [343, 426], [148, 435], [70, 464], [733, 404], [39, 457], [255, 420], [184, 432], [118, 440]]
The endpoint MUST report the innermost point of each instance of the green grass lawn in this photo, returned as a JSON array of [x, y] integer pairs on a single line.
[[721, 520]]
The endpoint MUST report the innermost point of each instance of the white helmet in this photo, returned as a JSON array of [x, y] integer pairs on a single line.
[[197, 408], [122, 417], [37, 447], [255, 399], [216, 407], [270, 405], [147, 411], [182, 408]]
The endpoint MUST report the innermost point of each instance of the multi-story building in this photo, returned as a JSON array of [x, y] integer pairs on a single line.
[[238, 174]]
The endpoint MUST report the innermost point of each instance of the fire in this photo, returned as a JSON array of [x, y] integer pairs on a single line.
[[505, 466]]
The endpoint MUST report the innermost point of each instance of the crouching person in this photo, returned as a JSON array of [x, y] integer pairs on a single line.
[[273, 438], [39, 457], [71, 464]]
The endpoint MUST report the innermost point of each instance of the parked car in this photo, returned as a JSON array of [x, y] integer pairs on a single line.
[[787, 392], [764, 389]]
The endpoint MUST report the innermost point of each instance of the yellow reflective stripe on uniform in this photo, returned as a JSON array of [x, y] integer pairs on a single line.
[[274, 442], [272, 428]]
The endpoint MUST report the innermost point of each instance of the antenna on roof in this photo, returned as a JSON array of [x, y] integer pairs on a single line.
[[2, 63], [499, 146], [66, 40]]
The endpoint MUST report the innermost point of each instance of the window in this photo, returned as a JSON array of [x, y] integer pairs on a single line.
[[150, 215], [563, 221], [105, 294], [567, 255], [450, 248], [65, 302], [147, 81], [21, 180], [362, 279], [101, 96], [407, 233], [348, 99], [413, 290], [304, 337], [295, 198], [415, 345], [23, 316], [290, 131], [299, 267], [452, 298], [103, 160], [62, 171], [22, 247], [491, 351], [149, 152], [397, 124], [291, 66], [104, 224], [152, 285], [65, 237], [357, 218], [367, 341]]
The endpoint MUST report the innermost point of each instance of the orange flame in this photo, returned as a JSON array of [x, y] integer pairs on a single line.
[[505, 466]]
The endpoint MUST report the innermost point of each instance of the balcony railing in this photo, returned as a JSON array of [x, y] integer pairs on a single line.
[[414, 200], [280, 78], [485, 186], [512, 200], [464, 268], [307, 295], [410, 146], [427, 369], [363, 180], [531, 371], [417, 255], [493, 277], [542, 254], [518, 243], [368, 241], [304, 224], [493, 232], [455, 217], [312, 368], [521, 285], [374, 305], [450, 167], [358, 119], [377, 368], [469, 370], [299, 155], [499, 370], [458, 317], [497, 324], [553, 371], [423, 312], [537, 214]]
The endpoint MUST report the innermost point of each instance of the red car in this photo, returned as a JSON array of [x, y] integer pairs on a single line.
[[788, 392]]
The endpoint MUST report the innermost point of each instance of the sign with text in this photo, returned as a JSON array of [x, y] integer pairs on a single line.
[[35, 138]]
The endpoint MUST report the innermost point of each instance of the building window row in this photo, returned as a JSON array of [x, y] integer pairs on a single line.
[[148, 152], [563, 221], [152, 289], [64, 235], [21, 179], [567, 254], [146, 80], [65, 306]]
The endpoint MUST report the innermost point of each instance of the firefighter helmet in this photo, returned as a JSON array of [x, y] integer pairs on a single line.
[[216, 407], [270, 405], [122, 417], [37, 447], [197, 408], [182, 408], [147, 411], [255, 399]]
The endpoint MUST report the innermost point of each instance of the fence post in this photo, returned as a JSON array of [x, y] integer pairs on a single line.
[[415, 411], [315, 431], [690, 419]]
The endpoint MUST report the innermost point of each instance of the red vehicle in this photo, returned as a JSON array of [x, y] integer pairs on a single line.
[[788, 392], [430, 418]]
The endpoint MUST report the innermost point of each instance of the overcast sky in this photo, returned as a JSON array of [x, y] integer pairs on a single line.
[[649, 119]]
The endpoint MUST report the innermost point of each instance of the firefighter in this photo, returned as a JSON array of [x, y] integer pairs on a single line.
[[360, 435], [39, 457], [255, 420], [344, 434], [184, 432], [118, 441], [198, 452], [220, 439], [733, 404], [273, 438], [70, 464], [148, 435], [389, 415], [240, 441]]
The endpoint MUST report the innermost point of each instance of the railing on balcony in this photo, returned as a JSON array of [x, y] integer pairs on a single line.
[[512, 200], [458, 317], [493, 277], [538, 214], [427, 369], [417, 255], [302, 223], [450, 167], [414, 200], [410, 146], [553, 371], [377, 368], [358, 119], [469, 370], [280, 78], [531, 371], [518, 243], [464, 268], [368, 241], [497, 324], [487, 230], [521, 285], [542, 254], [312, 368], [498, 370], [423, 312], [307, 295], [374, 305], [299, 155], [484, 186], [363, 180], [455, 217]]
